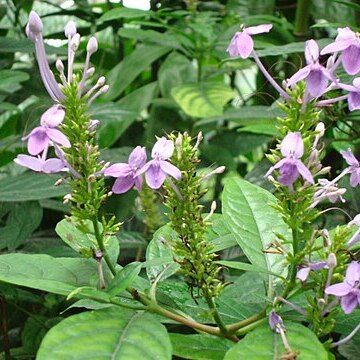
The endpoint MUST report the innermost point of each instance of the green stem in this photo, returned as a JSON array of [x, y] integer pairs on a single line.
[[244, 323], [100, 242], [302, 18], [215, 314], [250, 327]]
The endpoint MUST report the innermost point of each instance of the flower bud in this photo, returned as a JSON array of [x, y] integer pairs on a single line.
[[101, 81], [59, 65], [331, 261], [90, 72], [104, 89], [92, 45], [320, 128], [70, 29], [75, 41], [35, 23]]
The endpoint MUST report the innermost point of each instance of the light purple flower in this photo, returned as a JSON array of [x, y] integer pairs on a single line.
[[349, 289], [158, 168], [304, 272], [353, 98], [242, 44], [40, 137], [276, 322], [348, 42], [127, 174], [291, 167], [354, 167], [315, 75], [38, 164]]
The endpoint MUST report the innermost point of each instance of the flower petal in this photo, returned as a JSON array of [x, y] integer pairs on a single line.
[[137, 158], [253, 30], [53, 165], [303, 273], [355, 178], [30, 162], [292, 144], [311, 52], [138, 182], [53, 116], [154, 176], [316, 83], [354, 101], [349, 303], [349, 157], [245, 45], [353, 273], [58, 137], [299, 75], [336, 46], [118, 169], [38, 141], [340, 289], [304, 172], [170, 169], [163, 149], [288, 174], [351, 59], [123, 184]]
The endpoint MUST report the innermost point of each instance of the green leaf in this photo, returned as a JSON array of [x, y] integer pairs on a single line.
[[254, 223], [44, 272], [202, 99], [112, 333], [124, 278], [159, 247], [123, 74], [264, 344], [199, 346], [30, 186], [123, 13], [10, 80], [85, 242]]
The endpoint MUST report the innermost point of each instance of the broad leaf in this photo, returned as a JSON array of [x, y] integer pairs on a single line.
[[123, 13], [202, 99], [200, 346], [43, 272], [10, 80], [254, 223], [30, 186], [264, 344], [112, 333]]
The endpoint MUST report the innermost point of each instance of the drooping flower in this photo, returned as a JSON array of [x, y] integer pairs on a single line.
[[276, 322], [354, 167], [127, 174], [38, 164], [348, 290], [291, 167], [315, 75], [242, 44], [348, 42], [39, 138], [353, 97], [304, 272], [157, 169]]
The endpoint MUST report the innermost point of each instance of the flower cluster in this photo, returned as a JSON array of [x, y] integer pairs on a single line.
[[156, 170]]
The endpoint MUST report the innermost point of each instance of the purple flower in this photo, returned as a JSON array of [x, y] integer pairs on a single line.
[[275, 322], [242, 44], [291, 167], [349, 43], [158, 168], [353, 98], [316, 76], [40, 136], [304, 272], [354, 167], [349, 289], [38, 164], [126, 174]]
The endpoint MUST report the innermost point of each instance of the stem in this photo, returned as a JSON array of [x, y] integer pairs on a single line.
[[302, 18], [244, 330], [245, 323], [102, 246], [347, 338], [215, 314]]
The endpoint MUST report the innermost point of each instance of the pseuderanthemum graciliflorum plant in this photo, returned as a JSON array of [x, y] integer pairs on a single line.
[[299, 273]]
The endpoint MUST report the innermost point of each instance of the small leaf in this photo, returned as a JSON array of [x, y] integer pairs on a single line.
[[111, 333], [202, 99], [124, 278], [123, 13]]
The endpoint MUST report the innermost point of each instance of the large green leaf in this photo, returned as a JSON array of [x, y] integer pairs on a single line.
[[254, 223], [202, 99], [264, 344], [112, 333], [44, 272], [30, 186], [200, 346], [123, 13], [10, 80], [123, 74]]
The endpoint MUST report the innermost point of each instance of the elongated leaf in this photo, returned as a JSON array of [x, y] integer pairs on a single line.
[[30, 186], [124, 278], [123, 13], [254, 223], [112, 333], [123, 74], [200, 346], [10, 80], [202, 99], [264, 344], [44, 272]]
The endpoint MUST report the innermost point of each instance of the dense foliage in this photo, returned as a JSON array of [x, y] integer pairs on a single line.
[[180, 182]]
